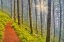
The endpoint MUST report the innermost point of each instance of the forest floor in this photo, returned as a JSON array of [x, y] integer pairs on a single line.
[[12, 32], [9, 34]]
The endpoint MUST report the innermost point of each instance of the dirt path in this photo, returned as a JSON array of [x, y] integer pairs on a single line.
[[9, 34]]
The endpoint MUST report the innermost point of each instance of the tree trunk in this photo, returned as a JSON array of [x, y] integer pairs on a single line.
[[63, 26], [14, 11], [11, 7], [27, 11], [63, 21], [2, 5], [22, 11], [41, 19], [30, 15], [60, 21], [36, 17], [53, 22], [18, 12], [48, 21]]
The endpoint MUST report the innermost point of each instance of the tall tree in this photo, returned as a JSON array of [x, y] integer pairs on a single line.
[[22, 11], [18, 12], [14, 11], [53, 21], [48, 21], [63, 20], [27, 10], [60, 21], [30, 15], [11, 7], [2, 5], [36, 16], [41, 18]]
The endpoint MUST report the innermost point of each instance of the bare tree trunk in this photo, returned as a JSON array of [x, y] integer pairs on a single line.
[[63, 21], [36, 17], [11, 7], [22, 12], [14, 11], [53, 22], [60, 21], [30, 15], [63, 28], [27, 10], [18, 12], [48, 21], [41, 19], [41, 24], [2, 5]]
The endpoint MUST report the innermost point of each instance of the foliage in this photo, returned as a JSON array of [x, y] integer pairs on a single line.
[[22, 30], [25, 35], [3, 19]]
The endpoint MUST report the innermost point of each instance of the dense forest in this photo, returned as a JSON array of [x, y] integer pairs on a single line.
[[33, 20]]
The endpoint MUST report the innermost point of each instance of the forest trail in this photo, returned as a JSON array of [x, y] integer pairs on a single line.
[[9, 34]]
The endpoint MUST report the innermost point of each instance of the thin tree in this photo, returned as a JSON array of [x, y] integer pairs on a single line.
[[11, 7], [36, 16], [30, 15], [60, 21], [2, 5], [22, 11], [63, 21], [27, 10], [18, 12], [53, 21], [14, 11], [41, 18], [48, 21]]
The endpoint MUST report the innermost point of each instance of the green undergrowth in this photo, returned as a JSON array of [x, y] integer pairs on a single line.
[[3, 19], [25, 36], [22, 31]]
